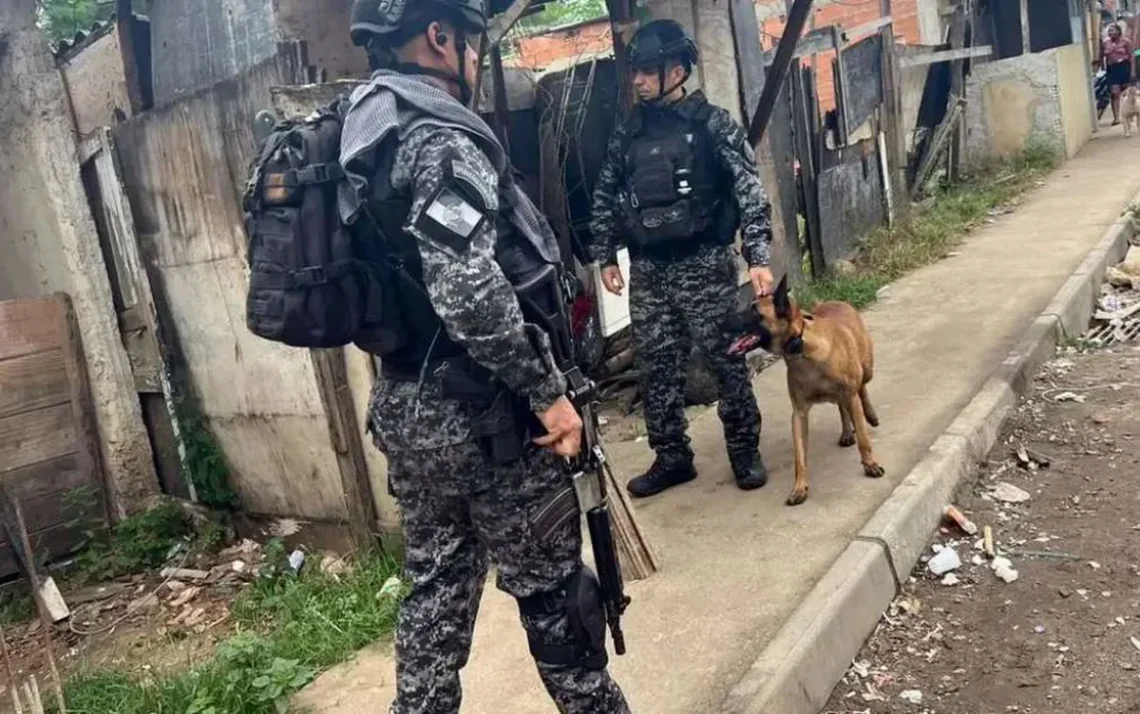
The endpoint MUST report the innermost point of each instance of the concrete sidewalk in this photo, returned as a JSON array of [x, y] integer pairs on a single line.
[[737, 565]]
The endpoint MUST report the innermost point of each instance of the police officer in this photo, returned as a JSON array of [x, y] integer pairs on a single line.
[[680, 178], [461, 374]]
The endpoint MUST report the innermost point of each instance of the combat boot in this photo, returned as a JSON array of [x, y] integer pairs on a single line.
[[749, 470], [663, 474]]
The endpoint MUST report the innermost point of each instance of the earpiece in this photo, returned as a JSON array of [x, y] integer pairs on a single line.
[[441, 38]]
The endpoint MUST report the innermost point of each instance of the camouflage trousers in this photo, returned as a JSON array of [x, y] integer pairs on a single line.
[[674, 305], [451, 538]]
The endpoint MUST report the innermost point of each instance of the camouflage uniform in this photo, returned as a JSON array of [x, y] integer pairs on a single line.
[[675, 303], [462, 512]]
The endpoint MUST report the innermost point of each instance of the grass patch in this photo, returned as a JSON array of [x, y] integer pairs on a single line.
[[930, 231], [290, 627], [16, 606], [135, 544]]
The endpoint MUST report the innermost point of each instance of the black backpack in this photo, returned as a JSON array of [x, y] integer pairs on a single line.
[[306, 287]]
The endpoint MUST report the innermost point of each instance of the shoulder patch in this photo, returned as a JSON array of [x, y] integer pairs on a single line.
[[476, 180], [456, 210]]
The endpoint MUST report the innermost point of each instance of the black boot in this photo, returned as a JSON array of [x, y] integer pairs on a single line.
[[748, 468], [663, 474]]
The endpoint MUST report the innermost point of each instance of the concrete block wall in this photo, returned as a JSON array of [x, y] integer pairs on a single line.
[[197, 43], [1039, 97], [48, 243]]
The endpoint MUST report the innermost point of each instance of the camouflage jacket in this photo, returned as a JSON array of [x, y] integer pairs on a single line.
[[468, 290], [734, 154]]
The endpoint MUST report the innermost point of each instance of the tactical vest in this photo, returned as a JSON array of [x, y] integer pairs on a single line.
[[678, 197], [416, 336]]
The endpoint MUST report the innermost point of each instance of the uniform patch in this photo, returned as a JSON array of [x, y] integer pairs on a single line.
[[453, 213]]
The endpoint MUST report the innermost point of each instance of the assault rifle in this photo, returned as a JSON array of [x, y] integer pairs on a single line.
[[544, 302]]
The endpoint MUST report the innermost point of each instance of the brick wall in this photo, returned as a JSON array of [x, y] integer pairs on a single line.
[[849, 14], [582, 40]]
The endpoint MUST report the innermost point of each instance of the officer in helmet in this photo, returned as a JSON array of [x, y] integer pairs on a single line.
[[469, 406], [679, 180]]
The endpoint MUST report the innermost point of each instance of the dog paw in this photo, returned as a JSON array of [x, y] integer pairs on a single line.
[[798, 496], [873, 421], [846, 440], [873, 471]]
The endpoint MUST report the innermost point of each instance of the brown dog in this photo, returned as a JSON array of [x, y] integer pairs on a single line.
[[830, 358]]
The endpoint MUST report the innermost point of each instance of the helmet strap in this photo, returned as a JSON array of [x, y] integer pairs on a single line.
[[662, 91], [458, 77]]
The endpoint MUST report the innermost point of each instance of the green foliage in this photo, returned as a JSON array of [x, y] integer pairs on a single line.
[[138, 543], [16, 605], [932, 229], [564, 12], [290, 627], [205, 465], [61, 20]]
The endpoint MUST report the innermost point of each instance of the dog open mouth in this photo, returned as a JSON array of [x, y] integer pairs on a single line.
[[744, 345]]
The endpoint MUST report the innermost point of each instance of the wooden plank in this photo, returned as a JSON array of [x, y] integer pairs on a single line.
[[56, 543], [802, 106], [1023, 12], [36, 436], [839, 78], [44, 478], [82, 411], [778, 71], [937, 145], [946, 56], [749, 54], [28, 326], [33, 382], [344, 430], [892, 125]]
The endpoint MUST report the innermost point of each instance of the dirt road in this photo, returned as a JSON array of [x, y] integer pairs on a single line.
[[1064, 636]]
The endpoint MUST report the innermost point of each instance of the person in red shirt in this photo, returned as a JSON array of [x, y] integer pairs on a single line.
[[1116, 55]]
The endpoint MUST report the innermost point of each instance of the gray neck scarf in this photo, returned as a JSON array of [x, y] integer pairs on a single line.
[[402, 103]]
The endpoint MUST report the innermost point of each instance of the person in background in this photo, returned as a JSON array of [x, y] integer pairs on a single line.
[[1116, 56]]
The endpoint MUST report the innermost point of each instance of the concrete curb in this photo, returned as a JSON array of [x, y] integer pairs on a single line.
[[797, 671]]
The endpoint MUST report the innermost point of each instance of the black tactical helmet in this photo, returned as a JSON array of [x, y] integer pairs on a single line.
[[660, 41], [387, 18]]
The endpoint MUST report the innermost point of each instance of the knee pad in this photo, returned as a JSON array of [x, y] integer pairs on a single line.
[[579, 599]]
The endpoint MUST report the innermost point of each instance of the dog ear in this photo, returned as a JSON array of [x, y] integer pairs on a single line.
[[782, 300]]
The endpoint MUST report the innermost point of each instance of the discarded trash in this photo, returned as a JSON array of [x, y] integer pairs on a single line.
[[1030, 459], [960, 519], [912, 696], [1003, 569], [946, 560], [977, 559], [1135, 643], [1070, 397], [184, 574], [861, 669], [1094, 565], [1039, 629], [296, 561], [1008, 493], [988, 542], [284, 527], [390, 589], [187, 595], [950, 579]]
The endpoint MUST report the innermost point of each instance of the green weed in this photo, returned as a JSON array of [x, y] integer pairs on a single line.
[[137, 543], [290, 627], [932, 229], [205, 464]]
